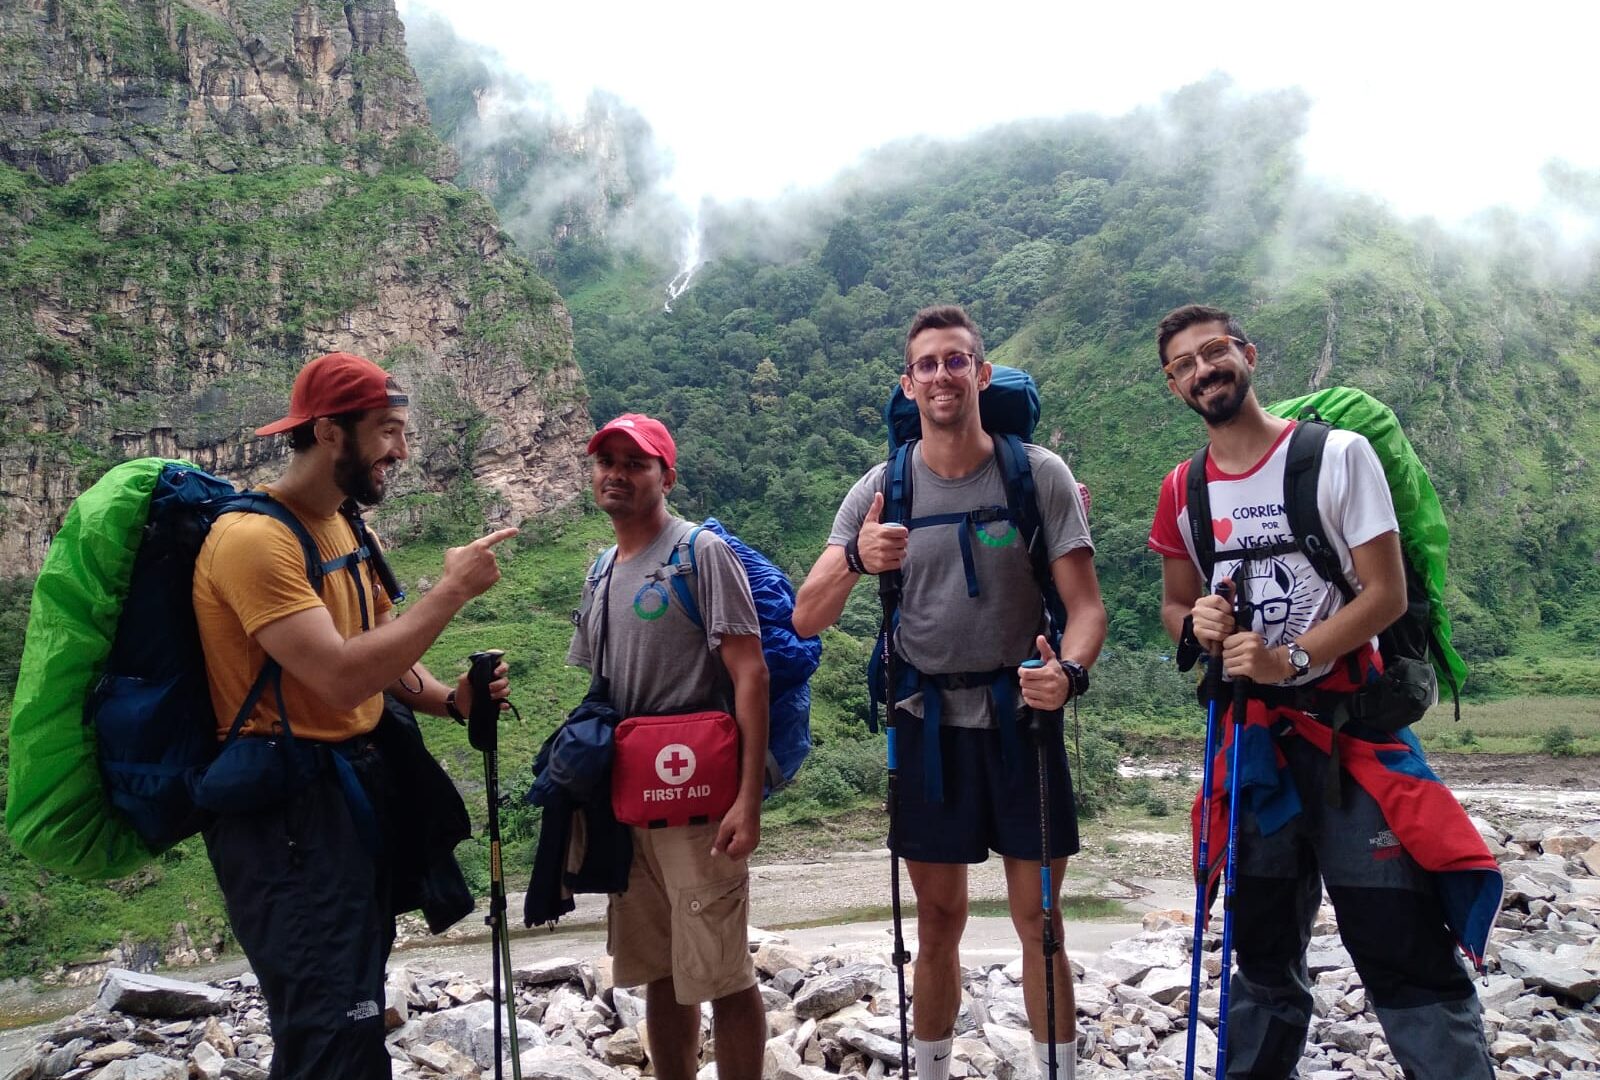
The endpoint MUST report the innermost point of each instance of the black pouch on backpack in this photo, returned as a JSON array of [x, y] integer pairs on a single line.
[[257, 773], [1407, 689]]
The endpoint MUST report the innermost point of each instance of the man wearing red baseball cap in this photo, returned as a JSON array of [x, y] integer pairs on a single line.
[[680, 929], [310, 651]]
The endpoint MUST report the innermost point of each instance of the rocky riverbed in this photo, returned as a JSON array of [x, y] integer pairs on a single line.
[[835, 1013], [830, 991]]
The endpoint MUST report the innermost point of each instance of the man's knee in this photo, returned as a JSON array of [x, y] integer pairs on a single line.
[[941, 919]]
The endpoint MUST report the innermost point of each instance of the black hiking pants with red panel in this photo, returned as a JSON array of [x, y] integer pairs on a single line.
[[1390, 922]]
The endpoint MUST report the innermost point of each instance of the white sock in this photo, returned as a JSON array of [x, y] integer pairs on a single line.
[[1066, 1060], [933, 1057]]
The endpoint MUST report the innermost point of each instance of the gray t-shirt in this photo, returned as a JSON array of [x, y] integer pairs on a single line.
[[656, 659], [942, 629]]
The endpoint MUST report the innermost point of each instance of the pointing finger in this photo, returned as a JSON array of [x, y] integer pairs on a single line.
[[494, 538]]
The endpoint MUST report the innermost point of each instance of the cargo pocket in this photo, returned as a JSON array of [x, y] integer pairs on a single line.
[[709, 932]]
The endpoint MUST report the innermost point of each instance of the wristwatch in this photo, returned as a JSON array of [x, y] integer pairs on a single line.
[[450, 708], [1077, 677], [1299, 659]]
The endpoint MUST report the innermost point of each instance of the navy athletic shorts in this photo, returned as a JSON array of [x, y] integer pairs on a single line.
[[990, 804]]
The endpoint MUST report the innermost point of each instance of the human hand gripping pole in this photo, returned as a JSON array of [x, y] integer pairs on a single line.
[[1202, 907], [483, 734]]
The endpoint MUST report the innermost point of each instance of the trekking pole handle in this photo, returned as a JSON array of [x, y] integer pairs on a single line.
[[485, 710]]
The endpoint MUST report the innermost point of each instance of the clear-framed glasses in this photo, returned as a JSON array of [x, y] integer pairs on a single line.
[[1215, 351], [926, 368]]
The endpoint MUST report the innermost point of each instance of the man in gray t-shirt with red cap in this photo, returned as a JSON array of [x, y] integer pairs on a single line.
[[680, 929]]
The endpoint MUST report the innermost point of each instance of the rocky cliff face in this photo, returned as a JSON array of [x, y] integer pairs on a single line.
[[199, 195]]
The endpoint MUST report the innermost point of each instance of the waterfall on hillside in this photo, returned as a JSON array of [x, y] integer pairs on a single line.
[[687, 265]]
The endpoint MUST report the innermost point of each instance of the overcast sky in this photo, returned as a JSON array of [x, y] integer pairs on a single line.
[[1441, 109]]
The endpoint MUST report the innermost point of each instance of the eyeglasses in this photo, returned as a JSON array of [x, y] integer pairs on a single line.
[[957, 364], [1212, 352]]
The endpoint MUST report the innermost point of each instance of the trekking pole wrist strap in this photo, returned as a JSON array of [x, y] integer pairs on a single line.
[[852, 556], [450, 708]]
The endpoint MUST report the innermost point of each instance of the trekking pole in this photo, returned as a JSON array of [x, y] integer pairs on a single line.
[[483, 734], [1040, 722], [1202, 893], [1242, 620], [889, 595]]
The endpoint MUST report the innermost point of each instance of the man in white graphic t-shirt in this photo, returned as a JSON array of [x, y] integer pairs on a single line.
[[1305, 642]]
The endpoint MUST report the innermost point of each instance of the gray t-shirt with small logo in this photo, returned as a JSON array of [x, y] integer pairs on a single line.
[[656, 659], [943, 630]]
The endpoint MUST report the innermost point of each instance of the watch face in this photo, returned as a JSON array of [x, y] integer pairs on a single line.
[[1299, 659]]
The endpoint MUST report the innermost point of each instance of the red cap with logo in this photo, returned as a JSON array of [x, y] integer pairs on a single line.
[[648, 434], [339, 382]]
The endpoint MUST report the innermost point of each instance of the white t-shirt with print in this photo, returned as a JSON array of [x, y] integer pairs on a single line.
[[1247, 512]]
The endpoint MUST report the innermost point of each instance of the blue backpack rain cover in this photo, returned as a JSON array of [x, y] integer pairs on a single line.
[[791, 659]]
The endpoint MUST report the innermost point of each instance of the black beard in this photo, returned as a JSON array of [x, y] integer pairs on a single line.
[[354, 478], [1222, 410]]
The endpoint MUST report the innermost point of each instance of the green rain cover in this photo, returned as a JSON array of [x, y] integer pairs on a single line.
[[1423, 532], [56, 810]]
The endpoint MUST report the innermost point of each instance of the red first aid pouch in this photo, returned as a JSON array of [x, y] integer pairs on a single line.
[[675, 770]]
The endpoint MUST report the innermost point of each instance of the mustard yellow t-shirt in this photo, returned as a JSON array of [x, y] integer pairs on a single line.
[[251, 573]]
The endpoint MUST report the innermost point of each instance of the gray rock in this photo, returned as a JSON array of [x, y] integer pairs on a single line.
[[564, 1063], [470, 1029], [876, 1046], [235, 1069], [1176, 1047], [828, 994], [138, 994], [1563, 975], [625, 1048], [1013, 1050], [1165, 984], [788, 980], [154, 1067], [556, 970], [207, 1060]]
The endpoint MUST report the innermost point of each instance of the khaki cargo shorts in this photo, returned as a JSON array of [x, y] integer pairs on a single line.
[[685, 916]]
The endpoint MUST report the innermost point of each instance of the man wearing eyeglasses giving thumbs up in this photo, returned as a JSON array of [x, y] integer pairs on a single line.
[[970, 611]]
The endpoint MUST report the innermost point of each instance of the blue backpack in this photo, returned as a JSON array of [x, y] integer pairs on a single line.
[[791, 659], [1009, 409]]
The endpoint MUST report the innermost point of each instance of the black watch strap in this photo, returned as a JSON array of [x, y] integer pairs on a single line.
[[450, 708], [1077, 676], [852, 557]]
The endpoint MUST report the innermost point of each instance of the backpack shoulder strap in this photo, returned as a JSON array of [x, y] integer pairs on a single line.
[[1199, 506], [271, 673], [1022, 501], [259, 502], [1301, 471], [897, 484], [680, 587]]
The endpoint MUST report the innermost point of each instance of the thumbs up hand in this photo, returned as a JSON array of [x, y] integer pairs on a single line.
[[1045, 687], [882, 546]]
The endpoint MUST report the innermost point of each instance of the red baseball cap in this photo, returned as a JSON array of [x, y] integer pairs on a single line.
[[339, 382], [648, 434]]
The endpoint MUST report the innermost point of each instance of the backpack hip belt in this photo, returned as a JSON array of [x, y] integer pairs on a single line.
[[1002, 685]]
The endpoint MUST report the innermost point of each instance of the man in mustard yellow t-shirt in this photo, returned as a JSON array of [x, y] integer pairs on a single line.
[[308, 894]]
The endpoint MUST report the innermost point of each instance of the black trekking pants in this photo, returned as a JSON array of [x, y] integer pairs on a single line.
[[1390, 921], [310, 906]]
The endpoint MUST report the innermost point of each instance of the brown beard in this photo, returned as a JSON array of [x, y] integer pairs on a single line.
[[354, 476]]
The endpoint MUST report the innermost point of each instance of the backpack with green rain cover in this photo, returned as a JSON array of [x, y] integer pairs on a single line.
[[112, 724]]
